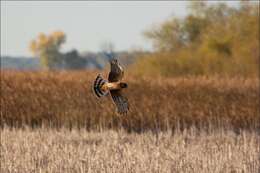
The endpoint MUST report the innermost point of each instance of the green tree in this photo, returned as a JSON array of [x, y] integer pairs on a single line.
[[167, 37], [73, 60]]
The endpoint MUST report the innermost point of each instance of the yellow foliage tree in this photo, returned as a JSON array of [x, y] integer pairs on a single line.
[[212, 39], [46, 47]]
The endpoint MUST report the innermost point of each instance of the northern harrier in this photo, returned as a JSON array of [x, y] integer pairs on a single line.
[[114, 85]]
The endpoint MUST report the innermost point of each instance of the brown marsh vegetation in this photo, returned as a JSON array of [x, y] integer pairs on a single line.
[[52, 122], [65, 99]]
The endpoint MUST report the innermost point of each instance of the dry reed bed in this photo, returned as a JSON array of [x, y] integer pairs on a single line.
[[48, 150], [57, 99]]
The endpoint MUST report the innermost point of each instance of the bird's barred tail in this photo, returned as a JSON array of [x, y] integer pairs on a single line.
[[99, 82]]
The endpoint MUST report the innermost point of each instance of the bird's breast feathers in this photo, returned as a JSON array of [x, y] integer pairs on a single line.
[[111, 86]]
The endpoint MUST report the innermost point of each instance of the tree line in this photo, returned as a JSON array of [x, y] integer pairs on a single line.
[[212, 39]]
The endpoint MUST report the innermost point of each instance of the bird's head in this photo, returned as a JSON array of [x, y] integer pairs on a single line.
[[113, 61], [115, 66]]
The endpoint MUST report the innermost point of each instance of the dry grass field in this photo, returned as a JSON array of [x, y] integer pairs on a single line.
[[48, 150], [52, 122]]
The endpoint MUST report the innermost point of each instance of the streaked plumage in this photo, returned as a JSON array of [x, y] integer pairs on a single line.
[[98, 84], [114, 86]]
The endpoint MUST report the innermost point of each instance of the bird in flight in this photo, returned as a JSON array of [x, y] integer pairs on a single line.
[[114, 85]]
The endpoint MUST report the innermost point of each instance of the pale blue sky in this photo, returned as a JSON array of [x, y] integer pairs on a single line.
[[86, 24]]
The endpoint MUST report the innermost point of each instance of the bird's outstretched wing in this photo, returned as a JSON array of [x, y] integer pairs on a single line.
[[120, 101]]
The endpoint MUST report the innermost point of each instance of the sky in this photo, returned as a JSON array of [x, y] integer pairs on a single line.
[[87, 24]]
